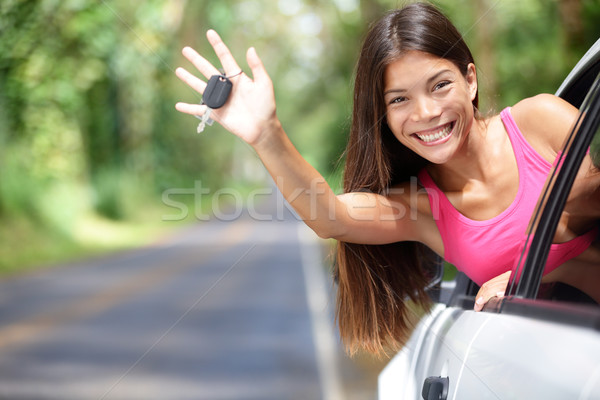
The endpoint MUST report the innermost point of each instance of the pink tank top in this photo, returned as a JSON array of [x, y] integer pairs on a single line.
[[486, 249]]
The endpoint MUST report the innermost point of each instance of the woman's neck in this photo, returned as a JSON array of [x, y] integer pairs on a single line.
[[474, 160]]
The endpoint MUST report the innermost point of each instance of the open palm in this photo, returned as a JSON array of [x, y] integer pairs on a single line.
[[250, 109]]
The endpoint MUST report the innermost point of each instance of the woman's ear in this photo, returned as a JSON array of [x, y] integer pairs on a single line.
[[471, 78]]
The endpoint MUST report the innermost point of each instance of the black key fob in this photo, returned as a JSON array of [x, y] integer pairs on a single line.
[[217, 91]]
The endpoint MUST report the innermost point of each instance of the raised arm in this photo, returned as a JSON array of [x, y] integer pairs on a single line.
[[250, 113]]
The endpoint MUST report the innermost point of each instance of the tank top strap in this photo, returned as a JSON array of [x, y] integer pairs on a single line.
[[438, 201], [521, 147]]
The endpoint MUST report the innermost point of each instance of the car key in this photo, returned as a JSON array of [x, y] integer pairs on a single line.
[[215, 96], [204, 120]]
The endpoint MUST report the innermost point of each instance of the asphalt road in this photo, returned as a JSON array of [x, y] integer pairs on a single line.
[[221, 310]]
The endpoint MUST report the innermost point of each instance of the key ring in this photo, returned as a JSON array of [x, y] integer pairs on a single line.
[[234, 75]]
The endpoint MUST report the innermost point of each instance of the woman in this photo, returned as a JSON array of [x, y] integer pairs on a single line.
[[415, 115]]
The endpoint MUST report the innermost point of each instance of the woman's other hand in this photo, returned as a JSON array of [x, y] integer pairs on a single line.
[[250, 110], [495, 287]]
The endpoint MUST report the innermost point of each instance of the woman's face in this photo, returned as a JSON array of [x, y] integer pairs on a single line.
[[429, 104]]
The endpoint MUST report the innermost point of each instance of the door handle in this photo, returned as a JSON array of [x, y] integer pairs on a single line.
[[435, 388]]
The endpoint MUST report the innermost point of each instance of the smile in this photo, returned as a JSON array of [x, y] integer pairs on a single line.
[[438, 135]]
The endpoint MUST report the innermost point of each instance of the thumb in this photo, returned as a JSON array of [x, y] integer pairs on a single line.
[[259, 73]]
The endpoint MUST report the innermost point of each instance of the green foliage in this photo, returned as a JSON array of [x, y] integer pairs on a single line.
[[87, 89]]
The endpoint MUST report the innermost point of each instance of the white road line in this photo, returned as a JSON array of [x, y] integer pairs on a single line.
[[322, 325]]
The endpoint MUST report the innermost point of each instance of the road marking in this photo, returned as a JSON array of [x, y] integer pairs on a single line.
[[316, 296], [28, 329]]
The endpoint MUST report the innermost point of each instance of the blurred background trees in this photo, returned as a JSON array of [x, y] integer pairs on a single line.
[[89, 138]]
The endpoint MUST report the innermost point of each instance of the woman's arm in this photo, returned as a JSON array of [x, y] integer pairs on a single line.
[[250, 113], [366, 218]]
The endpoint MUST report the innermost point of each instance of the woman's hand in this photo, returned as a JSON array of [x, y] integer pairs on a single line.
[[250, 110], [495, 287]]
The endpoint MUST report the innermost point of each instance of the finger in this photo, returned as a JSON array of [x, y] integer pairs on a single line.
[[195, 83], [483, 296], [486, 293], [201, 64], [479, 303], [227, 61], [192, 109]]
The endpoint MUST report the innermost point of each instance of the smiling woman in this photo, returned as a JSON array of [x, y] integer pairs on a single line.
[[415, 115], [413, 108]]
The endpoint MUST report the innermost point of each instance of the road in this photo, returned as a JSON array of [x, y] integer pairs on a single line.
[[221, 310]]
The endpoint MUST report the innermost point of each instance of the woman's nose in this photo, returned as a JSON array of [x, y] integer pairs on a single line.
[[425, 109]]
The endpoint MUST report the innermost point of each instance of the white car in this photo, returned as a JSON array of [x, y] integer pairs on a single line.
[[530, 344]]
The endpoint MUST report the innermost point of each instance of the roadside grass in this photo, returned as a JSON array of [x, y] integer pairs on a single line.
[[28, 243], [23, 244]]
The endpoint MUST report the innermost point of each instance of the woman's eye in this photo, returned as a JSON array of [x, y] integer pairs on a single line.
[[398, 100], [441, 85]]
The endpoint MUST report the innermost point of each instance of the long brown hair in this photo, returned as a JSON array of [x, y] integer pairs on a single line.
[[377, 282]]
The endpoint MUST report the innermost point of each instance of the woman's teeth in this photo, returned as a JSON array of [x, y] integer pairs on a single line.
[[439, 134]]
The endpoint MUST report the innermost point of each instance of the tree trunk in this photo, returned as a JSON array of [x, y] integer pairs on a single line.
[[573, 32], [486, 55]]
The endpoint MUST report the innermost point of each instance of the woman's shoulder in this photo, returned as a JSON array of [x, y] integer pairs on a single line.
[[545, 121], [544, 104]]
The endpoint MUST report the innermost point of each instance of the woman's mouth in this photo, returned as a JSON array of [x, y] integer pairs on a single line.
[[436, 136]]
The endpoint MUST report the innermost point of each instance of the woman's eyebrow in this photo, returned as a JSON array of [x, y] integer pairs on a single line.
[[429, 80]]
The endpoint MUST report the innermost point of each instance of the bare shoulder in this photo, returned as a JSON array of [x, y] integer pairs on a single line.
[[545, 120]]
